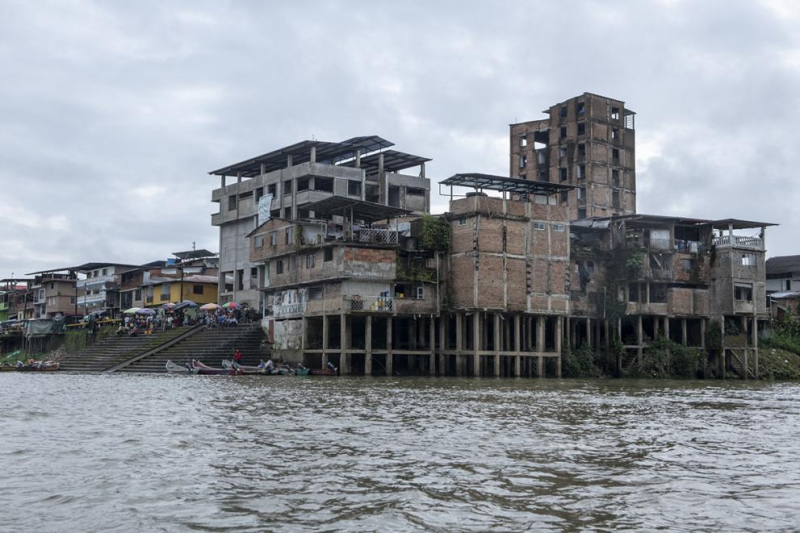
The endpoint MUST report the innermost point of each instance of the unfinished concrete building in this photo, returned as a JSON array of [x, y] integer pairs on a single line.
[[640, 277], [588, 142], [285, 182]]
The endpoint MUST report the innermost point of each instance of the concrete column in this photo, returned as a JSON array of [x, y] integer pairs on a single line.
[[589, 332], [755, 346], [412, 334], [666, 328], [313, 155], [655, 328], [442, 345], [459, 343], [744, 363], [498, 344], [344, 346], [222, 183], [684, 333], [639, 339], [358, 158], [324, 341], [540, 344], [304, 338], [289, 161], [517, 343], [476, 344], [559, 333], [432, 345], [703, 333], [368, 346], [389, 356]]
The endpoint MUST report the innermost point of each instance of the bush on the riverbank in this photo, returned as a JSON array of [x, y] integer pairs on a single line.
[[75, 341], [581, 363], [667, 359], [774, 363]]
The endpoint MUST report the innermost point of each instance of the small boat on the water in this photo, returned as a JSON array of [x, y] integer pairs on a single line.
[[7, 368], [322, 372], [172, 368], [245, 369], [46, 366], [200, 368]]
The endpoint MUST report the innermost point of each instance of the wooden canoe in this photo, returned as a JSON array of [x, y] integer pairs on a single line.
[[43, 367], [322, 372], [244, 368], [202, 369], [172, 368]]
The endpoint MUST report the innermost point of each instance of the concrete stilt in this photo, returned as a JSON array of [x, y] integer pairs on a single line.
[[476, 343], [389, 356], [558, 336], [432, 346], [459, 344], [325, 341], [344, 346], [368, 346], [755, 346], [442, 345], [498, 344]]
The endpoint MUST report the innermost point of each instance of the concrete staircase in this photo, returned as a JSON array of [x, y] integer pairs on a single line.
[[210, 347], [113, 350]]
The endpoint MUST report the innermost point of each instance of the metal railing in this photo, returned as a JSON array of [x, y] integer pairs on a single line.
[[375, 236], [378, 304]]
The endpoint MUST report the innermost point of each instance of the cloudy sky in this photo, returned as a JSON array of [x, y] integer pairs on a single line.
[[112, 113]]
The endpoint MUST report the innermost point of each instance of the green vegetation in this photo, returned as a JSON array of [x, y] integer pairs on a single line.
[[667, 359], [581, 363], [435, 233], [779, 356], [414, 271]]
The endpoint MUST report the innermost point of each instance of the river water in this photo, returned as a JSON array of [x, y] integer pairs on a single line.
[[219, 453]]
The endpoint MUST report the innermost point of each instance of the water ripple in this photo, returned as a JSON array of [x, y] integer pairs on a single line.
[[167, 453]]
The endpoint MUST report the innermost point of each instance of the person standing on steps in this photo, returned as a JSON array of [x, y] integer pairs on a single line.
[[237, 357]]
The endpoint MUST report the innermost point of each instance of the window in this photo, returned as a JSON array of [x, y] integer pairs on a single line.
[[615, 177], [562, 152], [137, 294], [165, 292], [581, 172], [562, 174], [615, 134], [253, 272], [559, 227], [615, 155], [543, 175], [287, 187], [231, 202], [259, 241], [523, 161], [354, 188], [581, 128], [743, 293], [563, 132], [538, 226], [315, 293], [419, 292], [582, 151], [279, 266], [563, 111], [414, 191], [581, 212], [658, 293], [327, 254], [581, 108], [614, 113], [310, 259], [615, 198], [52, 286], [564, 197], [633, 292], [288, 235], [523, 140], [462, 221], [272, 189], [72, 300], [287, 213], [197, 289], [292, 263], [302, 184], [687, 265], [748, 259], [240, 279], [273, 238], [582, 193]]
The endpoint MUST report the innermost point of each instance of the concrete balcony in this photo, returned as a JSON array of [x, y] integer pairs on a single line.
[[288, 310], [369, 304], [100, 280], [726, 241]]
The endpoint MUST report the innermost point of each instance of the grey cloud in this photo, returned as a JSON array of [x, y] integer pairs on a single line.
[[107, 105]]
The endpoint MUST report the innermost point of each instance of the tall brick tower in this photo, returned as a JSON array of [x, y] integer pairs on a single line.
[[589, 142]]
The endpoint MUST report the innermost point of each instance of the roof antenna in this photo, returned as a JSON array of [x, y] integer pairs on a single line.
[[194, 244]]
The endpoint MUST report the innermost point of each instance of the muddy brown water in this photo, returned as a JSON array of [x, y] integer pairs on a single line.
[[219, 453]]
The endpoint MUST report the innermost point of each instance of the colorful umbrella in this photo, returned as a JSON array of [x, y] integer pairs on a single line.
[[168, 305], [230, 305], [130, 311], [184, 304], [145, 312], [209, 307]]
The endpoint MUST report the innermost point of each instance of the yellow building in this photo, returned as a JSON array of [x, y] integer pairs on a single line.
[[199, 289]]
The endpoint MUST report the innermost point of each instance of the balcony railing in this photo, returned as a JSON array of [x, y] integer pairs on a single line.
[[284, 310], [747, 242], [375, 236], [376, 304]]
